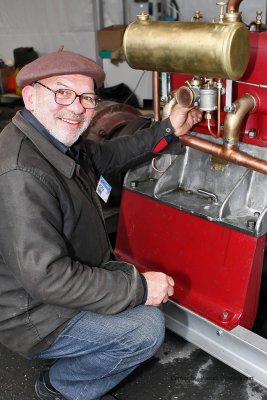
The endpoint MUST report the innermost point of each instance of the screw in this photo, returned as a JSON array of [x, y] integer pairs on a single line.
[[134, 184], [219, 332], [251, 224], [252, 133], [225, 314]]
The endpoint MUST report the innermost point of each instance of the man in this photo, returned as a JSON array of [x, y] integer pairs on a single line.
[[63, 295]]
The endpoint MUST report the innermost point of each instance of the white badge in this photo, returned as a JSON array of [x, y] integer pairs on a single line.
[[103, 189]]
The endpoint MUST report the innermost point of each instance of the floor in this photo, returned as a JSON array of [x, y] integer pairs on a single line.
[[179, 371]]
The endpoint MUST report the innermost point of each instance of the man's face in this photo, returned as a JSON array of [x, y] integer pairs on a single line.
[[65, 123]]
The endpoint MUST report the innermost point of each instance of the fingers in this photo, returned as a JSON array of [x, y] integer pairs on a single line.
[[183, 119], [170, 280], [170, 289], [196, 115], [165, 300], [160, 287]]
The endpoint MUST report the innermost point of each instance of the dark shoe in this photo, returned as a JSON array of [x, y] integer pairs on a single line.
[[43, 392]]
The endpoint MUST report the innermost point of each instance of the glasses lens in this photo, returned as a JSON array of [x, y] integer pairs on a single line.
[[89, 100], [65, 96]]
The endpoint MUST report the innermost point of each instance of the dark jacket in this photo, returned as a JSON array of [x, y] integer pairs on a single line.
[[55, 256]]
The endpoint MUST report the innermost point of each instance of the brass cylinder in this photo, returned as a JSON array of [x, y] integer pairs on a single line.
[[218, 50]]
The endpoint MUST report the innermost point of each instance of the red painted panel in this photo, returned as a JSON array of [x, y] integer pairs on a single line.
[[256, 75], [215, 268]]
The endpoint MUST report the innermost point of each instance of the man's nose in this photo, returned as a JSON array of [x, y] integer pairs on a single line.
[[77, 106]]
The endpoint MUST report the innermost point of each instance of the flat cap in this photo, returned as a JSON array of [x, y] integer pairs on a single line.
[[60, 63]]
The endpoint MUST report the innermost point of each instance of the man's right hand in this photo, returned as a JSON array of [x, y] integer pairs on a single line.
[[159, 287]]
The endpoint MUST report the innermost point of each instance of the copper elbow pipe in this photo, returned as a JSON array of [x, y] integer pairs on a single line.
[[233, 6], [241, 107]]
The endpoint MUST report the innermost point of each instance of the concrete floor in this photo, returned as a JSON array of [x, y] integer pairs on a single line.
[[179, 371]]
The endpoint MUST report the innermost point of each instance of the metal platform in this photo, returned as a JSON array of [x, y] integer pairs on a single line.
[[239, 348]]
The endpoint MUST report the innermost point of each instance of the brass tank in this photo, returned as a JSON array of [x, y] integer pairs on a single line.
[[213, 49]]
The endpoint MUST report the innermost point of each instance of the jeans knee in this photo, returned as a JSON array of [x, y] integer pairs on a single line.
[[152, 329]]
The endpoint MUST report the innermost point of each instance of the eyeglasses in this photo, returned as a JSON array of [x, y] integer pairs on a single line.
[[65, 97]]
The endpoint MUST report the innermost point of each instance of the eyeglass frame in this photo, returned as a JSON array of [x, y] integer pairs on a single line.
[[97, 99]]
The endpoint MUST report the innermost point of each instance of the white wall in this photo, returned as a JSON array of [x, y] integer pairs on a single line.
[[113, 12], [114, 9], [209, 9], [46, 25]]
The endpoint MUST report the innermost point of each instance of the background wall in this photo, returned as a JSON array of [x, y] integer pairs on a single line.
[[47, 24], [209, 9]]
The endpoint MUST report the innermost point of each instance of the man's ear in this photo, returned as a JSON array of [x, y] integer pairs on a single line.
[[29, 97]]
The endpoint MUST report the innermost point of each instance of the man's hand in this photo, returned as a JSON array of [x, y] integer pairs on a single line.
[[159, 288], [182, 119]]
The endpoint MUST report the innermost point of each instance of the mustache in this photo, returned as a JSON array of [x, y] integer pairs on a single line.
[[71, 115]]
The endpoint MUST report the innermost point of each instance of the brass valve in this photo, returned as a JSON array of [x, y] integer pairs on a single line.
[[221, 4], [197, 16], [143, 16], [258, 17]]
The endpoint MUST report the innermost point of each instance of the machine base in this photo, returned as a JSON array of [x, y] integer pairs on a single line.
[[239, 348]]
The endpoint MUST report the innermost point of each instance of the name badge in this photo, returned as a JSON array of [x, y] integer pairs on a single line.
[[103, 189]]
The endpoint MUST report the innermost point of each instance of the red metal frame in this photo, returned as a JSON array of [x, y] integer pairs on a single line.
[[217, 270], [256, 74]]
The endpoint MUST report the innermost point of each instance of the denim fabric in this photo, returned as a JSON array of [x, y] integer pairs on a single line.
[[95, 352]]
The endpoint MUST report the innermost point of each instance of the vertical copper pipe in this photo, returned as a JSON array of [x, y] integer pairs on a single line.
[[156, 100], [233, 120], [219, 109], [233, 6]]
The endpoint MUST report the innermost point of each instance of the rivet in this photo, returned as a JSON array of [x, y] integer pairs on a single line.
[[134, 184], [225, 314], [251, 223], [252, 133]]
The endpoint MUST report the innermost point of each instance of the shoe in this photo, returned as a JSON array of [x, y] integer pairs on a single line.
[[43, 392]]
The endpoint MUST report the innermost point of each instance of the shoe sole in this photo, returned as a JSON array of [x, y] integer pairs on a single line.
[[45, 396]]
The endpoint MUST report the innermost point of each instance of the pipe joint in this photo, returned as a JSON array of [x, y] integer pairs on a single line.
[[233, 120]]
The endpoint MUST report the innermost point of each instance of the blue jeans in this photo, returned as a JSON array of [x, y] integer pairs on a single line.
[[95, 352]]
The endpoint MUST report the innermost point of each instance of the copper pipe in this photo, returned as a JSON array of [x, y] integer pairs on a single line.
[[232, 123], [219, 108], [227, 153], [233, 6], [234, 119], [156, 101]]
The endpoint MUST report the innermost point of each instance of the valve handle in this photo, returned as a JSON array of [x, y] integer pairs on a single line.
[[221, 4]]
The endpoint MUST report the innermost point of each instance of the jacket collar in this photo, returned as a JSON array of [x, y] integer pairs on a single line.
[[59, 160]]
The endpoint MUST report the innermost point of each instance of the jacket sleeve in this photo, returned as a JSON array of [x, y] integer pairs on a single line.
[[123, 153], [35, 252]]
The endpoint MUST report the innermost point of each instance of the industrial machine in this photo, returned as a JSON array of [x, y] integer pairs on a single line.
[[134, 7], [199, 211]]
